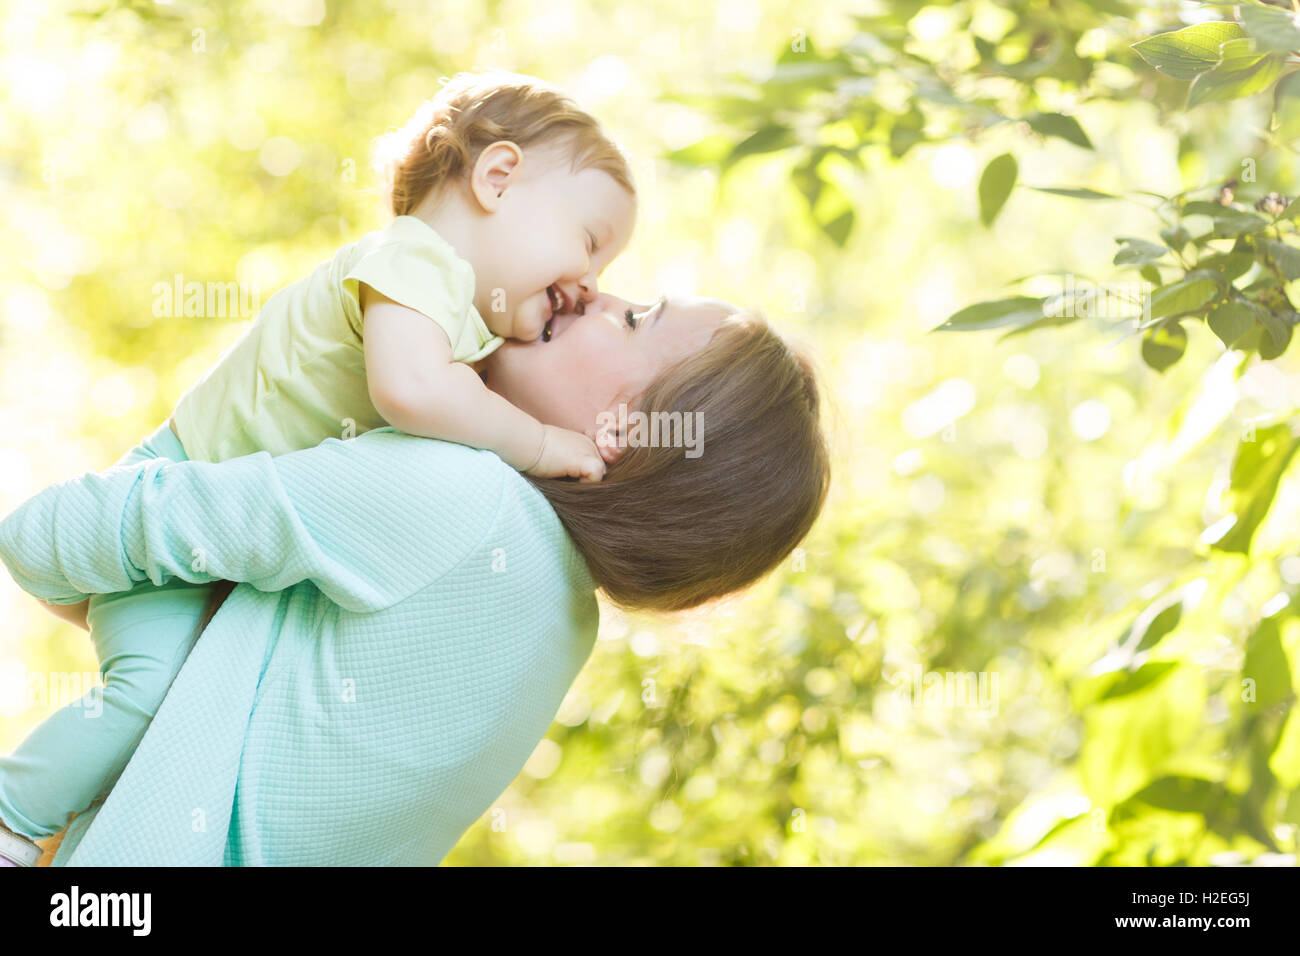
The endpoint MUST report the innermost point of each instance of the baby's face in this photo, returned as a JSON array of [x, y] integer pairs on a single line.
[[554, 233]]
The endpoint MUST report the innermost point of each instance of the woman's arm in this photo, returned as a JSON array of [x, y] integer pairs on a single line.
[[369, 521]]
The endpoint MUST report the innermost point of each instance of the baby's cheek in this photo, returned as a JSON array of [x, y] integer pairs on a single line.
[[528, 323]]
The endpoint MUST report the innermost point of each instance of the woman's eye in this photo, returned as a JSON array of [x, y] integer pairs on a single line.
[[630, 319]]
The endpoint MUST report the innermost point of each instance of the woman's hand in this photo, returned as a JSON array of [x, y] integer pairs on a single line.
[[50, 845], [72, 613]]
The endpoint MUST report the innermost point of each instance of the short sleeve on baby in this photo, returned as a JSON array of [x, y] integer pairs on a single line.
[[414, 266]]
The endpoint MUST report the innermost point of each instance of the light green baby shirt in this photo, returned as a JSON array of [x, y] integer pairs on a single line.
[[298, 375]]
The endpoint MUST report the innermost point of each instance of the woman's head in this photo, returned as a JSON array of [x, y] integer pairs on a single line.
[[670, 527], [588, 363]]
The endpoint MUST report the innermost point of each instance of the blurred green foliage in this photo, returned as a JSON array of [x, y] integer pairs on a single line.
[[1048, 615]]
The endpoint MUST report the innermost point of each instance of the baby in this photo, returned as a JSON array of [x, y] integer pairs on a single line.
[[509, 201]]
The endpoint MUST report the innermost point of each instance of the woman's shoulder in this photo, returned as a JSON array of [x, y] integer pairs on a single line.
[[476, 510], [454, 481]]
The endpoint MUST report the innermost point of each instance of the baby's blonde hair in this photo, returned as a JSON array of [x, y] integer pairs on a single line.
[[444, 138]]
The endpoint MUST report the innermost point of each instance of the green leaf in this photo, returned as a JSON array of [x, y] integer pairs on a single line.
[[1082, 193], [1160, 625], [1268, 293], [1286, 109], [1164, 345], [1120, 683], [1230, 265], [1130, 682], [1046, 321], [1138, 252], [1257, 468], [907, 131], [1016, 310], [1233, 319], [730, 109], [1059, 125], [1177, 794], [1230, 222], [706, 152], [1241, 72], [995, 185], [838, 229], [1273, 28], [1192, 293], [1032, 66], [766, 140], [1055, 273], [1267, 665], [1285, 257], [1127, 739], [1152, 625], [828, 205], [1185, 54], [834, 213], [1203, 207], [1285, 762], [1272, 336], [1175, 237], [807, 179], [1279, 335]]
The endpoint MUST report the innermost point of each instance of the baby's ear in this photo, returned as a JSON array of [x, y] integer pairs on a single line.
[[493, 172]]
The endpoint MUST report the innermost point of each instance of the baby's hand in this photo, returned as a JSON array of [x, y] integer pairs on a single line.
[[568, 454]]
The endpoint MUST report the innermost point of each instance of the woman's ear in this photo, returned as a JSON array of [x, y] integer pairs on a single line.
[[494, 170], [608, 439]]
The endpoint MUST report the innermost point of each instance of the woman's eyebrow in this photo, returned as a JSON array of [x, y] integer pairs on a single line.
[[659, 307]]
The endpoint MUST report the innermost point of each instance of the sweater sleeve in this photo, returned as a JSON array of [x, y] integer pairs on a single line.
[[369, 521]]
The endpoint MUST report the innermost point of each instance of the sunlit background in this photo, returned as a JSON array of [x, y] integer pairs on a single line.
[[1003, 509]]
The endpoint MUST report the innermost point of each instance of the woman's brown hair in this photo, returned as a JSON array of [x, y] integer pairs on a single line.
[[666, 532], [444, 138]]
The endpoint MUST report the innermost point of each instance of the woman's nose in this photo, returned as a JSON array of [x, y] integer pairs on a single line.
[[605, 302]]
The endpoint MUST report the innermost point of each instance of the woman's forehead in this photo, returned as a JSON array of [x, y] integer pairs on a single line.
[[702, 302]]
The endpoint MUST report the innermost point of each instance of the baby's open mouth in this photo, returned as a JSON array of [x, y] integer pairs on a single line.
[[559, 302], [559, 306]]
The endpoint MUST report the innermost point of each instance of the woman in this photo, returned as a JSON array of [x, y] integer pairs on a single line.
[[410, 614]]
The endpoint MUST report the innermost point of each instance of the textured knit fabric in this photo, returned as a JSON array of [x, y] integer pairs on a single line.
[[297, 376], [411, 616]]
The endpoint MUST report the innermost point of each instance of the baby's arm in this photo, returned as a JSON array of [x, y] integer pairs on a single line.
[[416, 386]]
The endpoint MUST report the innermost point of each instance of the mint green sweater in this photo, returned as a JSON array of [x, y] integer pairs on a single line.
[[410, 615]]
